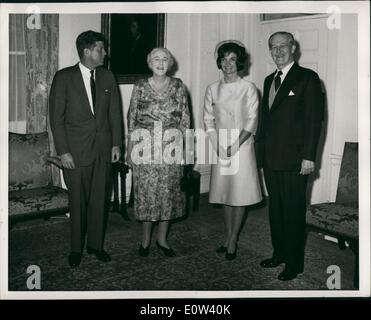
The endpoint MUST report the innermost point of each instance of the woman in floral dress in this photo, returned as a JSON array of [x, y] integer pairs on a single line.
[[158, 117]]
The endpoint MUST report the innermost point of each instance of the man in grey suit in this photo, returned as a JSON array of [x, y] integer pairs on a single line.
[[291, 120], [85, 118]]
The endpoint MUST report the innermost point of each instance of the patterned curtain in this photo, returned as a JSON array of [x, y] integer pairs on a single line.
[[41, 65]]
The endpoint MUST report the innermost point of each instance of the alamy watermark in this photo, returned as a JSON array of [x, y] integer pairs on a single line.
[[34, 280], [334, 19], [34, 20], [172, 146], [334, 280]]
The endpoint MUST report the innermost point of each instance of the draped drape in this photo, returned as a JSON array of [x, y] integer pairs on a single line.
[[41, 65]]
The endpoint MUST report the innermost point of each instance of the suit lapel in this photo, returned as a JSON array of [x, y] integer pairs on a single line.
[[286, 86], [79, 85], [98, 89]]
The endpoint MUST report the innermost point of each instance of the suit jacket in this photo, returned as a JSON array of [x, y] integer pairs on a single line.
[[289, 131], [75, 128]]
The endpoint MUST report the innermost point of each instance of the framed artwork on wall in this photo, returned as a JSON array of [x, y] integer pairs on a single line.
[[276, 16], [130, 37]]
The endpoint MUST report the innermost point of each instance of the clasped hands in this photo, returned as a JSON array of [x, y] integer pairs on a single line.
[[68, 163], [223, 153]]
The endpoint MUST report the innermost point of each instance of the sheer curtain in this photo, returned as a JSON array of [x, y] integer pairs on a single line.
[[17, 73]]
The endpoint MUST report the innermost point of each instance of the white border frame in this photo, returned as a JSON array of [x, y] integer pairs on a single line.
[[359, 7]]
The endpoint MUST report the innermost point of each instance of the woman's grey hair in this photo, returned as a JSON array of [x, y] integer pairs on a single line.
[[168, 53], [283, 33]]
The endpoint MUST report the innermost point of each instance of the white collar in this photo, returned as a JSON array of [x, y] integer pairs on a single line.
[[285, 70], [84, 69]]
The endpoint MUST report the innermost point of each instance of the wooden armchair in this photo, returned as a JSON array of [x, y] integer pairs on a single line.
[[340, 218], [31, 191]]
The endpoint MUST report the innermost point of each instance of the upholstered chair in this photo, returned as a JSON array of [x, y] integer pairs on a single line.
[[31, 190], [339, 219]]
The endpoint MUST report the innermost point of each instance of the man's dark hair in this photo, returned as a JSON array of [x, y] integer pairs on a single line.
[[283, 33], [228, 48], [87, 40]]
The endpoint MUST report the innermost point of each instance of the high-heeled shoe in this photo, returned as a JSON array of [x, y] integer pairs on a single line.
[[231, 256], [168, 252], [143, 252], [221, 249]]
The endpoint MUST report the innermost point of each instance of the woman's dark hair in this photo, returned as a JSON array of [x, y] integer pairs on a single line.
[[226, 48]]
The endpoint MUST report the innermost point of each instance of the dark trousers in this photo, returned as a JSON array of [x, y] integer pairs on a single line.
[[287, 208], [88, 193]]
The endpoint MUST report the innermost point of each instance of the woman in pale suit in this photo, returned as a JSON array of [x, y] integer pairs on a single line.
[[232, 103]]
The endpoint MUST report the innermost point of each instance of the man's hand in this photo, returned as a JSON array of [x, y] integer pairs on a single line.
[[116, 153], [307, 167], [67, 161]]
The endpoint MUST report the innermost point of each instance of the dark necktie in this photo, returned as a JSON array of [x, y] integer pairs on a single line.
[[92, 88], [277, 80]]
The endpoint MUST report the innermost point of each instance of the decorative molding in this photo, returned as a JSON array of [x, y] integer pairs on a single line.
[[308, 39], [336, 158]]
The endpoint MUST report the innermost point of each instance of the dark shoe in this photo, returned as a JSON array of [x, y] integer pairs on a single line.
[[100, 254], [271, 263], [231, 256], [221, 249], [166, 251], [288, 274], [143, 252], [74, 259]]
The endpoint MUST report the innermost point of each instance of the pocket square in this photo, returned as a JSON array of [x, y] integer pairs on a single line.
[[106, 90], [291, 93]]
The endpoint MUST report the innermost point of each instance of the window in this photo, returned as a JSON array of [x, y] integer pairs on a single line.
[[17, 71]]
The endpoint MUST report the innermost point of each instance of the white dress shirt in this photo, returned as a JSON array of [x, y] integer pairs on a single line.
[[85, 72], [272, 91], [284, 71]]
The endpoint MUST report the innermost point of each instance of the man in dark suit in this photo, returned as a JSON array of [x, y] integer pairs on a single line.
[[85, 118], [291, 120]]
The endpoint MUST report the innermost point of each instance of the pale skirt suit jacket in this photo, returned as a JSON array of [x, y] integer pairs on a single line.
[[235, 180]]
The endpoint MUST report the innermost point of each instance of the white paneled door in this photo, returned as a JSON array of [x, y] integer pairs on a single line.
[[316, 50]]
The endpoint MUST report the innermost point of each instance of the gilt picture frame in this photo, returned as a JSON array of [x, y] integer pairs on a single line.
[[130, 37]]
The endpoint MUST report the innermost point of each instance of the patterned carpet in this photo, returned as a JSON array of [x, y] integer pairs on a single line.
[[196, 267]]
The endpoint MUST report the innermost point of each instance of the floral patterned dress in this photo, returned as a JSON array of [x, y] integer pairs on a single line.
[[154, 117]]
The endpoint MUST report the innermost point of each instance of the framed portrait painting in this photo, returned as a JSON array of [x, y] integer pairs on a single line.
[[277, 16], [130, 37]]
